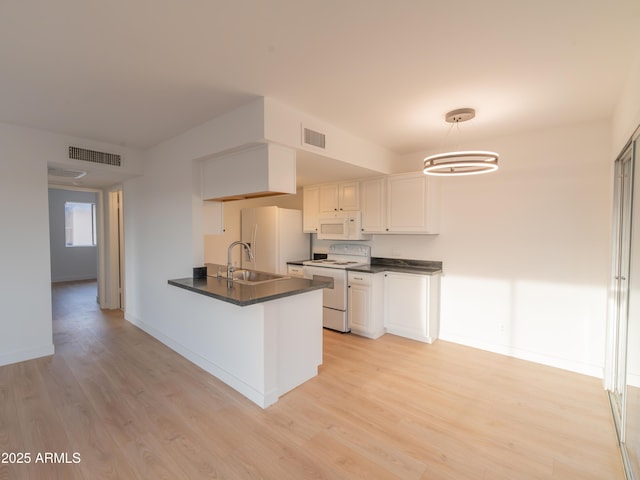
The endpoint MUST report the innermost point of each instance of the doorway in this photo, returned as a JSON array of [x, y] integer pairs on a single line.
[[73, 239], [102, 257]]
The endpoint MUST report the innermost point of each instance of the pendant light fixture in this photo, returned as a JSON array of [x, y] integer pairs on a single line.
[[466, 162]]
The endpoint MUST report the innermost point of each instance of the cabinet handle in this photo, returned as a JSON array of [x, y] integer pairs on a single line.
[[387, 229], [358, 278]]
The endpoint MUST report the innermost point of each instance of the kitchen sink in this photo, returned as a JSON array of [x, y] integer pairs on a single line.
[[252, 277]]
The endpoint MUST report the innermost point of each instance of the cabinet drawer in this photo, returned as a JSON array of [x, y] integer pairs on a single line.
[[295, 271], [357, 278]]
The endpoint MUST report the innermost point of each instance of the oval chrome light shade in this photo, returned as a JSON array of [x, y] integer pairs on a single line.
[[461, 163]]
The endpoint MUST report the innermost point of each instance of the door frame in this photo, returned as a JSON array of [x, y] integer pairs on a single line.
[[110, 255], [114, 262]]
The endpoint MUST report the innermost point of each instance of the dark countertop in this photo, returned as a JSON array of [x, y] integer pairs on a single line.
[[400, 265], [242, 295], [297, 262]]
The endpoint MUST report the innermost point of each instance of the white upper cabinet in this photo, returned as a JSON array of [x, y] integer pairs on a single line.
[[212, 218], [335, 197], [401, 204], [349, 196], [411, 204], [405, 203], [310, 209], [373, 201], [328, 195]]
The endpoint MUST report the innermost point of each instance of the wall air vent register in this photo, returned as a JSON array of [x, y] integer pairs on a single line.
[[313, 138], [77, 153]]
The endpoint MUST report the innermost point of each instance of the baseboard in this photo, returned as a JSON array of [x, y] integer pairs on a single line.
[[564, 364], [401, 332], [262, 400], [633, 379], [27, 354], [133, 319]]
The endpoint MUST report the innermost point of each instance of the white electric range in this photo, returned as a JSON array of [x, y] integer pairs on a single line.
[[339, 257]]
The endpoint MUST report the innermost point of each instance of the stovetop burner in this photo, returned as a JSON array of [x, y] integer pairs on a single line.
[[334, 263], [343, 256]]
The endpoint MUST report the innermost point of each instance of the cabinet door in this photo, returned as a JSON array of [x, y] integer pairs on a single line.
[[406, 305], [212, 218], [310, 209], [349, 196], [373, 201], [329, 198], [407, 204], [358, 309]]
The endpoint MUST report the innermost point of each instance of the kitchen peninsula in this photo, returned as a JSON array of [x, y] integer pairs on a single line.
[[263, 340]]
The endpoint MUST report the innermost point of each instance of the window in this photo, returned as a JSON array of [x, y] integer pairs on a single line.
[[80, 224]]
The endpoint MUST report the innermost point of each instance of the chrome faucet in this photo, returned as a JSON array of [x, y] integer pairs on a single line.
[[230, 267]]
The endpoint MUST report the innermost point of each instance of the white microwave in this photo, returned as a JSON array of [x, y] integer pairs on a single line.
[[341, 226]]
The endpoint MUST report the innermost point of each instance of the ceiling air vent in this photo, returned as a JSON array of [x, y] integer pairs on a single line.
[[77, 153], [316, 139], [66, 173]]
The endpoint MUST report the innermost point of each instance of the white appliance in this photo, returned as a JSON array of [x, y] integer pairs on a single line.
[[275, 235], [341, 226], [334, 299]]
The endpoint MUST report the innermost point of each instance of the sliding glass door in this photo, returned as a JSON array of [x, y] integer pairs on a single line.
[[621, 244], [623, 360]]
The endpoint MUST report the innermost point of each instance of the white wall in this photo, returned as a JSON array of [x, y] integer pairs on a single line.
[[25, 285], [77, 263], [24, 256], [284, 124], [525, 249], [163, 223], [626, 117]]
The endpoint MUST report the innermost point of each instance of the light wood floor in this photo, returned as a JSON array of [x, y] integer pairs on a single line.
[[387, 408]]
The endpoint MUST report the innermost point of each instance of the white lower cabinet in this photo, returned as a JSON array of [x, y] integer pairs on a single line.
[[295, 271], [365, 307], [412, 305]]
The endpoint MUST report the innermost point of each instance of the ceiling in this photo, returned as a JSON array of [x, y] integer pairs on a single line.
[[134, 72]]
